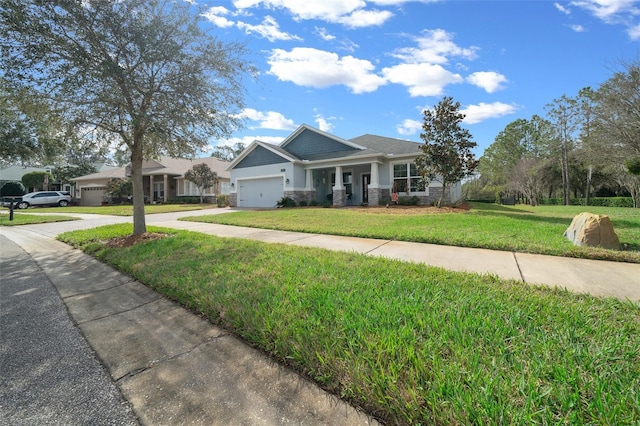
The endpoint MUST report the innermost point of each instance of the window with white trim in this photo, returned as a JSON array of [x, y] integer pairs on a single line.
[[406, 178]]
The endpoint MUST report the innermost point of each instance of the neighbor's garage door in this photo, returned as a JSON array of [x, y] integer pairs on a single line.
[[260, 192], [91, 196]]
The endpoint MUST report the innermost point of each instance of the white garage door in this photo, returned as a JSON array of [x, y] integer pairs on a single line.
[[91, 196], [260, 192]]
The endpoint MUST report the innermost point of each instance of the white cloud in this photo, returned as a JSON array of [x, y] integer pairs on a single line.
[[487, 80], [434, 47], [578, 28], [351, 13], [421, 79], [322, 32], [217, 16], [324, 123], [268, 29], [483, 111], [634, 32], [562, 9], [365, 18], [622, 12], [330, 10], [317, 68], [409, 127], [610, 11], [268, 119], [399, 2]]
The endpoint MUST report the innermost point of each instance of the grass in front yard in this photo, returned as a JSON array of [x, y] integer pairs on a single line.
[[518, 228], [408, 343], [29, 219], [125, 209]]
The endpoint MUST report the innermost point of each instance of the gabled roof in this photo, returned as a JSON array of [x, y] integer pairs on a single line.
[[278, 150], [309, 144], [175, 167], [179, 166], [386, 145], [116, 173], [304, 127]]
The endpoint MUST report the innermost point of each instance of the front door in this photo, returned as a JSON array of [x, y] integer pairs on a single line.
[[158, 191], [366, 180]]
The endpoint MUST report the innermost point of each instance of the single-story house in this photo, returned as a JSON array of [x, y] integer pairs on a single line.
[[313, 165], [163, 180], [15, 173]]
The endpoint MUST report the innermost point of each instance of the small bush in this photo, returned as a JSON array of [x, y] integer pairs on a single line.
[[12, 189], [326, 204], [408, 201], [286, 202], [303, 203], [313, 203], [222, 200], [185, 199]]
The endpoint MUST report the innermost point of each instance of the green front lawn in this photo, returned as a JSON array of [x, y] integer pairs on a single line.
[[121, 210], [30, 219], [127, 210], [518, 228], [410, 344]]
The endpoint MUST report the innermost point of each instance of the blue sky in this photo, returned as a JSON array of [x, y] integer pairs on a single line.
[[351, 67]]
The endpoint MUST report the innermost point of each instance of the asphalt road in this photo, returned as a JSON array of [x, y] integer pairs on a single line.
[[49, 374]]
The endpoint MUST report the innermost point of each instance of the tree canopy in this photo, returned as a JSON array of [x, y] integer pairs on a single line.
[[203, 177], [585, 143], [140, 74], [447, 154]]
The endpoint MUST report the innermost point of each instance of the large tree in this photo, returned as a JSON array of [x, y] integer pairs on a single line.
[[447, 155], [564, 115], [142, 73], [30, 132]]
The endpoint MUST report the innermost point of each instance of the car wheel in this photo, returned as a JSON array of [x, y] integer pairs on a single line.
[[63, 203], [23, 205]]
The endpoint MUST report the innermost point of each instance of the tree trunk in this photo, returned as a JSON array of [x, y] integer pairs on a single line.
[[566, 189], [444, 188], [139, 220], [588, 189]]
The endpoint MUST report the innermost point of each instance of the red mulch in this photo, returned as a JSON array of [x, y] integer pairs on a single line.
[[131, 240]]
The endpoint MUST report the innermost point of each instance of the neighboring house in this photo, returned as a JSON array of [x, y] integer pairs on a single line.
[[313, 165], [163, 180], [15, 173]]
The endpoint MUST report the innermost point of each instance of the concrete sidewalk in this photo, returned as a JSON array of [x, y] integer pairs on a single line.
[[596, 277], [172, 366]]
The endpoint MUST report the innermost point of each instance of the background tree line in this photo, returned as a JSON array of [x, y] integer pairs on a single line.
[[584, 145]]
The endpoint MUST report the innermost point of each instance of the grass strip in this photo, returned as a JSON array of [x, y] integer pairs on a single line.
[[410, 344], [127, 209], [29, 219], [523, 229]]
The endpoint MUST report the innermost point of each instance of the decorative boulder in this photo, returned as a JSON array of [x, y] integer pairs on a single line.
[[593, 230]]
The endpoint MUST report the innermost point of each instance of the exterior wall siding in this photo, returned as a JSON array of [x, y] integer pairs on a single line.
[[260, 157], [308, 144]]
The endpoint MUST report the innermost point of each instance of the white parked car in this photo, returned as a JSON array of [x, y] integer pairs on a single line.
[[44, 198]]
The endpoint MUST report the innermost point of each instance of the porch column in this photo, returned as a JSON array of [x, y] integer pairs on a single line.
[[374, 193], [338, 183], [166, 189], [151, 179], [339, 191], [375, 177], [309, 185]]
